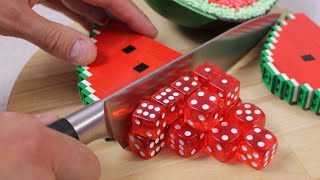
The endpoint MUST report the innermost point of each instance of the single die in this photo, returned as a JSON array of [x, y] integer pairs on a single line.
[[247, 116], [144, 147], [227, 88], [148, 120], [172, 100], [184, 140], [203, 110], [206, 71], [257, 148], [186, 85], [222, 141]]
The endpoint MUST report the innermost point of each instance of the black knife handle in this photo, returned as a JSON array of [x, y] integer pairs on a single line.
[[65, 127]]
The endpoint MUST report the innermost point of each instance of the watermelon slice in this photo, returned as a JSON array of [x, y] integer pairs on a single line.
[[201, 13], [290, 62]]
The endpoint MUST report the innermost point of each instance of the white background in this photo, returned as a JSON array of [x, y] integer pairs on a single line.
[[14, 53]]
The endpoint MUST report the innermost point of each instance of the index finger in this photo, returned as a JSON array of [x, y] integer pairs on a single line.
[[127, 12]]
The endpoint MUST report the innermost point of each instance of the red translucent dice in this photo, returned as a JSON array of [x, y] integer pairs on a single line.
[[205, 72], [222, 141], [247, 116], [172, 100], [258, 148], [148, 120], [203, 110], [186, 85], [227, 88], [145, 147], [184, 140]]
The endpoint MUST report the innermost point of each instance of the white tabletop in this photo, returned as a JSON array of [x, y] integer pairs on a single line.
[[12, 63]]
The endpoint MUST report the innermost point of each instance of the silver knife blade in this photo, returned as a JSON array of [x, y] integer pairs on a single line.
[[111, 117]]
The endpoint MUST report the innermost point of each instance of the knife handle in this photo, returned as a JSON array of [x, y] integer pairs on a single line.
[[64, 126]]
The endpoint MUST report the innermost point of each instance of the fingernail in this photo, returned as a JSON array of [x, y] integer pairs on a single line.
[[153, 32], [46, 118], [81, 53]]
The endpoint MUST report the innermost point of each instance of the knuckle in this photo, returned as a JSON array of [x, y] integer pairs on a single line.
[[53, 39]]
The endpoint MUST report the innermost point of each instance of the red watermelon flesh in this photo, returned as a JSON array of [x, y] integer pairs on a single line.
[[236, 4]]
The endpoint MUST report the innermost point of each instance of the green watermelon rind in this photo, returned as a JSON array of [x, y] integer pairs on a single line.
[[279, 83]]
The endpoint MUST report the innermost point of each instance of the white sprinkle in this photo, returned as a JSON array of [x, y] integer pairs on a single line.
[[152, 116], [234, 130], [255, 155], [243, 157], [158, 149], [173, 108], [145, 113], [237, 88], [218, 147], [229, 94], [157, 123], [200, 93], [187, 133], [212, 98], [249, 137], [181, 142], [209, 149], [220, 94], [171, 98], [257, 111], [163, 115], [194, 83], [144, 104], [224, 124], [137, 121], [216, 116], [181, 152], [201, 117], [239, 112], [196, 78], [161, 136], [207, 69], [247, 106], [249, 118], [265, 164], [176, 94], [153, 153], [178, 84], [190, 122], [157, 140], [215, 130], [172, 136], [248, 112], [274, 151], [257, 130], [268, 152], [254, 164], [177, 126], [172, 141], [166, 101], [150, 106], [193, 151], [249, 156], [163, 93], [224, 81], [234, 148], [193, 102], [164, 124], [168, 90], [205, 107], [228, 103], [274, 146], [151, 145], [186, 88], [236, 97], [172, 146], [268, 136], [224, 137], [137, 146], [232, 96], [142, 154], [202, 136], [186, 78], [149, 134], [157, 109], [139, 111], [244, 148], [261, 144]]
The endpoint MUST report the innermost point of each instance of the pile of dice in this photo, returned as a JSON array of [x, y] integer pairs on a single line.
[[202, 111]]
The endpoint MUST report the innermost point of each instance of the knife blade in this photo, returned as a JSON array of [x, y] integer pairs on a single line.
[[111, 117]]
